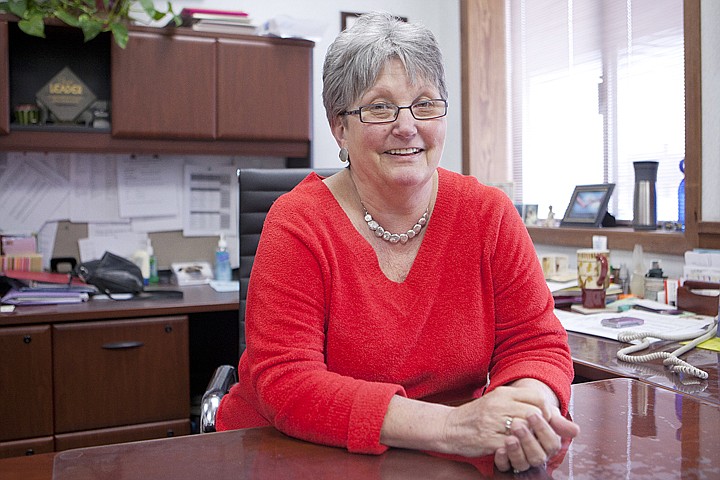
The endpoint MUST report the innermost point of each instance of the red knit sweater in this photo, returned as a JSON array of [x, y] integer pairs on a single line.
[[331, 339]]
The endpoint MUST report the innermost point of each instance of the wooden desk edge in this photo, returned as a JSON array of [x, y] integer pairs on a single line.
[[32, 467]]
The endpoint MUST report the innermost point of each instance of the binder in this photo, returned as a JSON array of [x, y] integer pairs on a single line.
[[40, 297]]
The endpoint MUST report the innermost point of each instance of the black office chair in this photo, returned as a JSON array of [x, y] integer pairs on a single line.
[[258, 189]]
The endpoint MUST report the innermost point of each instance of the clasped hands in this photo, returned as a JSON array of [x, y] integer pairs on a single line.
[[520, 425]]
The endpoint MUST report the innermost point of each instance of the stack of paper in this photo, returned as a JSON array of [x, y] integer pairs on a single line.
[[702, 265], [285, 26], [219, 21]]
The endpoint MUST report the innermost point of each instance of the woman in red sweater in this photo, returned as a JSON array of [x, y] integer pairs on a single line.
[[394, 288]]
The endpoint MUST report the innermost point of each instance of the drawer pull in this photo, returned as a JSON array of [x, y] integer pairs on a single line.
[[122, 345]]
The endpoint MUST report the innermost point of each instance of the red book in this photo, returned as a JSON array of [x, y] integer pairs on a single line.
[[202, 12], [44, 277]]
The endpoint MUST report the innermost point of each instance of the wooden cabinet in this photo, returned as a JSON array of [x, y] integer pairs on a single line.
[[211, 88], [89, 383], [120, 372], [26, 409], [4, 81], [177, 91], [263, 90], [163, 86]]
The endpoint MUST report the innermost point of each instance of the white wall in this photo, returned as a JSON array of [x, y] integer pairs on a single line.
[[441, 16]]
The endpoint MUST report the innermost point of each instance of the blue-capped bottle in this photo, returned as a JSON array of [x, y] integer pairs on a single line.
[[223, 270], [681, 197]]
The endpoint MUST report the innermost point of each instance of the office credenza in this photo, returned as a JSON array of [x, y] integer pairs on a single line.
[[595, 358], [629, 429], [110, 371]]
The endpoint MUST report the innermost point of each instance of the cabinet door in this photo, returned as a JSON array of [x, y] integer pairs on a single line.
[[163, 86], [26, 409], [263, 90], [121, 372], [4, 80]]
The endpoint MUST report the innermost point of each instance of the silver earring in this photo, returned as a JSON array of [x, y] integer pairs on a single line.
[[344, 155]]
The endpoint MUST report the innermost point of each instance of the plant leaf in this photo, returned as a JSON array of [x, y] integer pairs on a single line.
[[149, 7], [33, 25], [17, 7], [120, 34], [90, 26], [67, 18]]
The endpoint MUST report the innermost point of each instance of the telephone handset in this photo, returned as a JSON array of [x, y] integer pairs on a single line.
[[671, 359]]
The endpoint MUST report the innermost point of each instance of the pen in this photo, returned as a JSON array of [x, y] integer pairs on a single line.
[[661, 311]]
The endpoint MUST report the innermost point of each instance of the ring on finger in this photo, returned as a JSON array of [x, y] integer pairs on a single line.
[[508, 425]]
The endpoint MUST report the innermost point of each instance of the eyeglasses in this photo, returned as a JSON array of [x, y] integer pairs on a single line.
[[387, 112]]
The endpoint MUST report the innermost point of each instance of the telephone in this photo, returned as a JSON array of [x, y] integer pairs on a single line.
[[671, 359]]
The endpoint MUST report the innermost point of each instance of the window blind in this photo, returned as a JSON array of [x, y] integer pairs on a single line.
[[594, 86]]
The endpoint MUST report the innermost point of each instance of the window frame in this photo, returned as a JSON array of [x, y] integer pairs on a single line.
[[485, 154]]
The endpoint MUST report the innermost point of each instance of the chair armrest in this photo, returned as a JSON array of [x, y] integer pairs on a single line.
[[225, 376]]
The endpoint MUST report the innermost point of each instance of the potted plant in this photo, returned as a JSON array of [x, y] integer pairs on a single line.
[[91, 16]]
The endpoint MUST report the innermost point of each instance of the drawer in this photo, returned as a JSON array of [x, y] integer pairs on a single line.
[[26, 409], [132, 433], [29, 446], [122, 372]]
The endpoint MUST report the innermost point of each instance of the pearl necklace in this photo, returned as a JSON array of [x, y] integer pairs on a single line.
[[395, 237]]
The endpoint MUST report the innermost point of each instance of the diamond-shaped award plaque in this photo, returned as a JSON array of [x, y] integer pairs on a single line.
[[66, 96]]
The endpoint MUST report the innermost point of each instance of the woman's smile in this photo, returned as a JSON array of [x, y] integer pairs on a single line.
[[404, 151]]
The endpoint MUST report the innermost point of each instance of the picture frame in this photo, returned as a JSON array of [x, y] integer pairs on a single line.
[[528, 213], [348, 18], [588, 205]]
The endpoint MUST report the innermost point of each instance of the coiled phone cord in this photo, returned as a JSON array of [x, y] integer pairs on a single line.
[[671, 359]]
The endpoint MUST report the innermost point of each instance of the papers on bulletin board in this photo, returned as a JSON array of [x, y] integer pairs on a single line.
[[94, 183], [653, 322], [210, 200], [148, 186], [31, 194], [123, 244]]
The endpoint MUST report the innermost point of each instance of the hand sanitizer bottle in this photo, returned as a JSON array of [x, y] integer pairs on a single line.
[[223, 271], [152, 260]]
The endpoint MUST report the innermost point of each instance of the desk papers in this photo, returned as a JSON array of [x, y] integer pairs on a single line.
[[654, 322]]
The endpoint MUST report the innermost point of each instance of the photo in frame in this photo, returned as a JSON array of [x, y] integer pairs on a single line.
[[528, 213], [588, 205]]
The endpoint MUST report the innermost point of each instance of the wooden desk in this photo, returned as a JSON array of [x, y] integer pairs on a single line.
[[110, 371], [595, 358], [196, 299], [630, 429]]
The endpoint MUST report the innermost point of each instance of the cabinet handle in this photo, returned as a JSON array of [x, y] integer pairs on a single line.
[[122, 345]]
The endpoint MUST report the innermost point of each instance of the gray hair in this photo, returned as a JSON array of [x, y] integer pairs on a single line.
[[358, 55]]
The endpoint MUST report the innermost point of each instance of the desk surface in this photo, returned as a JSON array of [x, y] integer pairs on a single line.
[[630, 429], [197, 298], [594, 358]]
